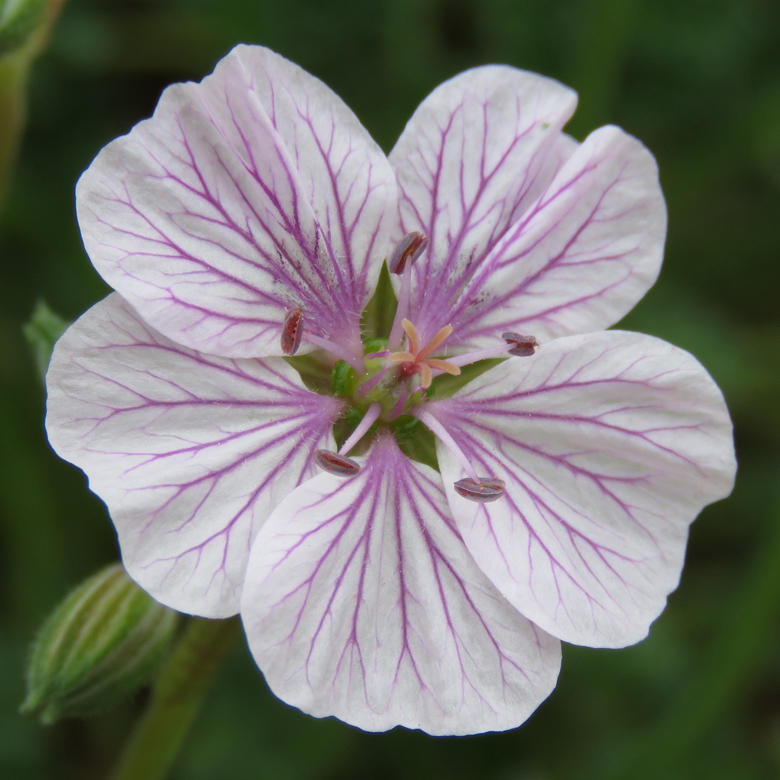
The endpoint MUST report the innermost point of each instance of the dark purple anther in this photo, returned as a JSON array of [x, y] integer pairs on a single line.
[[483, 492], [409, 248], [292, 330], [333, 463], [524, 346]]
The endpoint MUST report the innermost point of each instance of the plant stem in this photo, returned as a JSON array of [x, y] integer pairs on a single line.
[[176, 699]]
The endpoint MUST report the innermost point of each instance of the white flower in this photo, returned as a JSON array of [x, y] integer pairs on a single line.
[[251, 217]]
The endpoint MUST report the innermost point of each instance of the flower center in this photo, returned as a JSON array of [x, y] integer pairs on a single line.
[[381, 386], [417, 360]]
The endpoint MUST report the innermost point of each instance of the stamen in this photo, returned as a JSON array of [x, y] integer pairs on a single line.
[[521, 346], [406, 253], [479, 354], [443, 365], [412, 335], [400, 357], [338, 351], [516, 345], [483, 490], [408, 250], [369, 418], [431, 346], [424, 416], [335, 464], [292, 330], [426, 377], [396, 333]]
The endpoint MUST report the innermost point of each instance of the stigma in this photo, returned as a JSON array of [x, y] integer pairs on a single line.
[[416, 358]]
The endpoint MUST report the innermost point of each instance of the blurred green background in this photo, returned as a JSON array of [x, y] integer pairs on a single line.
[[699, 82]]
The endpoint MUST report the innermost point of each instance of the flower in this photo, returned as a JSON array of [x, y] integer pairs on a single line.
[[249, 219]]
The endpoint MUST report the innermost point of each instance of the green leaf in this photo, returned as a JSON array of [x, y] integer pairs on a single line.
[[41, 332]]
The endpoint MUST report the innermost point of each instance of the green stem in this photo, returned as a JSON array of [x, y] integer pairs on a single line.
[[176, 699]]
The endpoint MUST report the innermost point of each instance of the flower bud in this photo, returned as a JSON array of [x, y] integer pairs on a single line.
[[100, 644]]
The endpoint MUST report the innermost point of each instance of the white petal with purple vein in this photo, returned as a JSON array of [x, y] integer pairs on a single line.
[[582, 256], [362, 602], [609, 444], [189, 452], [477, 152], [243, 196]]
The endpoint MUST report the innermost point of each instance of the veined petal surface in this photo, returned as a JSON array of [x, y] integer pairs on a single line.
[[474, 156], [189, 452], [609, 444], [362, 602], [252, 192], [581, 257]]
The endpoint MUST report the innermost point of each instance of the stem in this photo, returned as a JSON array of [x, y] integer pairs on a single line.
[[177, 696]]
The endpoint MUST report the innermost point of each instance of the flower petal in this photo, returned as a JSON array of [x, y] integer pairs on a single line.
[[189, 452], [583, 254], [245, 195], [475, 155], [609, 444], [362, 602]]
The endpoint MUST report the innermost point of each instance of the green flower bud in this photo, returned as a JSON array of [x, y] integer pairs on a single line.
[[19, 19], [99, 645]]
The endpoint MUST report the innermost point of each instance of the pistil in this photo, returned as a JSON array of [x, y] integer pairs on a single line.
[[416, 359]]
